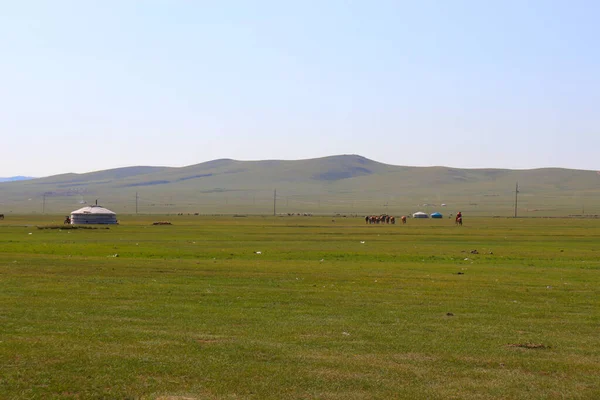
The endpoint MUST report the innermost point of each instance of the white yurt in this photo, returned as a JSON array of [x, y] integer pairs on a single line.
[[93, 215], [420, 214]]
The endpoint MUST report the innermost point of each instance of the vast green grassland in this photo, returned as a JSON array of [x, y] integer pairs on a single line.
[[300, 308]]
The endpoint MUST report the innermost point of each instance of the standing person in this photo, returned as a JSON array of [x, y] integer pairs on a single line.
[[458, 218]]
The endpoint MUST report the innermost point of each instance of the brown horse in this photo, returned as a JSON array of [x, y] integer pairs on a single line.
[[459, 221], [403, 218], [1, 216]]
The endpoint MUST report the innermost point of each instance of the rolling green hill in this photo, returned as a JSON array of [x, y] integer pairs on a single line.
[[346, 184]]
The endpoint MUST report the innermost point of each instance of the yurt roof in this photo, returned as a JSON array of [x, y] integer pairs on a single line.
[[420, 213], [436, 214], [93, 210]]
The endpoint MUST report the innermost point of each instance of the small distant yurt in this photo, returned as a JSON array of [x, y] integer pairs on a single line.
[[420, 214], [436, 215], [93, 215]]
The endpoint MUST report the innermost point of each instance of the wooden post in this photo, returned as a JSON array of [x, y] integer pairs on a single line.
[[516, 198]]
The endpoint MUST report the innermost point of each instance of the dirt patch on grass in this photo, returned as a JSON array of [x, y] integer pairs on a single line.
[[71, 227], [374, 360], [530, 346], [337, 375], [202, 395], [420, 357], [176, 398], [207, 339]]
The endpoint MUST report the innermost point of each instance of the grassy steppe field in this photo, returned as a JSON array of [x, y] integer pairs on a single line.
[[192, 310]]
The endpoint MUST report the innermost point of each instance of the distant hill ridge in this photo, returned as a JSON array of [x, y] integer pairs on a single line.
[[16, 178], [342, 182]]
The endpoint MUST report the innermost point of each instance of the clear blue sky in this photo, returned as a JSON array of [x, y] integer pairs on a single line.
[[90, 85]]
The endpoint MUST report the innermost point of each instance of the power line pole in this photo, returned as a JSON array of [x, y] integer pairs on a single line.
[[516, 198], [136, 202], [275, 202], [44, 203]]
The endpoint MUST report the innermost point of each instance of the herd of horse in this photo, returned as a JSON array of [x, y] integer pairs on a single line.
[[388, 219], [383, 219], [380, 219]]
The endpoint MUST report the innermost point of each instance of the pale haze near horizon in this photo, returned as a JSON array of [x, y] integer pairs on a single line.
[[96, 85]]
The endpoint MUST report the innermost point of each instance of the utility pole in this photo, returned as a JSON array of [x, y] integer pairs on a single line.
[[275, 203], [136, 202], [516, 198], [44, 203]]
